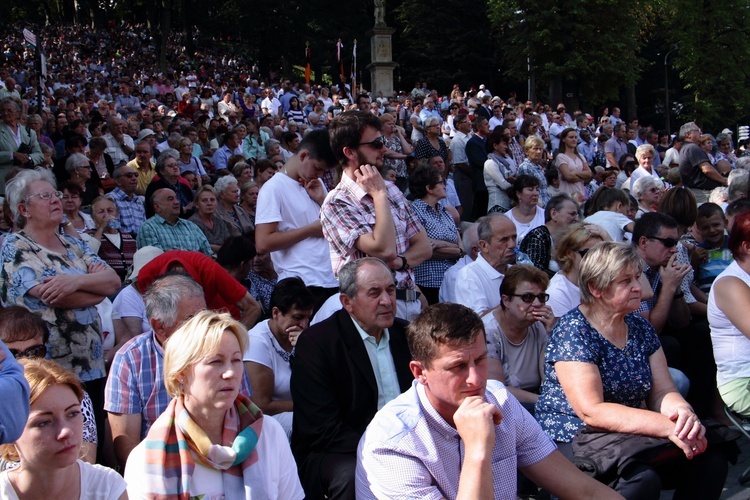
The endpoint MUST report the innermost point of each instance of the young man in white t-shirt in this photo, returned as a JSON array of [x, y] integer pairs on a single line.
[[288, 217]]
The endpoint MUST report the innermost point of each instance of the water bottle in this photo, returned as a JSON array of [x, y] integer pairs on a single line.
[[522, 258]]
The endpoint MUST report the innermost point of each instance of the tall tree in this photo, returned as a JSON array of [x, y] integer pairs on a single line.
[[713, 56], [591, 46]]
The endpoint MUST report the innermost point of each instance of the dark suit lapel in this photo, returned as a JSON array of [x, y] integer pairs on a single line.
[[356, 348], [401, 355]]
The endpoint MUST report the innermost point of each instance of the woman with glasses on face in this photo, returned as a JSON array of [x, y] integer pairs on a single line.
[[432, 144], [516, 332], [82, 174], [72, 198], [25, 335], [605, 371], [58, 278], [648, 193]]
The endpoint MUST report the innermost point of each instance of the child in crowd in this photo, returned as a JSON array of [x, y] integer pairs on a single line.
[[609, 210], [711, 224]]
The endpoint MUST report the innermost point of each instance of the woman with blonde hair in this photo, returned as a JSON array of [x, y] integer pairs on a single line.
[[211, 441], [49, 448]]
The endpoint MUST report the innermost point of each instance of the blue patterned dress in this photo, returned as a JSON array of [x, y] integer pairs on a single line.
[[626, 373]]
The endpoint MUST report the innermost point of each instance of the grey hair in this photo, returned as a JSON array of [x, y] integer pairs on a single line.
[[240, 167], [687, 128], [642, 184], [224, 182], [14, 101], [470, 238], [484, 230], [74, 160], [17, 189], [719, 137], [164, 295], [743, 162], [603, 264], [430, 121], [166, 154], [739, 183], [643, 149], [270, 143], [348, 284]]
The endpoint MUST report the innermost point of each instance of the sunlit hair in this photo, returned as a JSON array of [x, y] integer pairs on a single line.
[[197, 338], [442, 324], [603, 264], [643, 149], [571, 241], [17, 190], [41, 374], [740, 234]]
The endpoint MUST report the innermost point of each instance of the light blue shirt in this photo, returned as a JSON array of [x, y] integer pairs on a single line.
[[382, 364]]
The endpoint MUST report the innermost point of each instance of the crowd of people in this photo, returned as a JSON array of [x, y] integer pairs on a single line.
[[223, 285]]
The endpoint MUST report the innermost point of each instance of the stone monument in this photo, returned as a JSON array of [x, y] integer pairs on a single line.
[[382, 65]]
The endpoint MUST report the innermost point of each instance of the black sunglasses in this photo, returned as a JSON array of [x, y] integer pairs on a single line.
[[377, 143], [529, 297], [35, 351], [667, 242]]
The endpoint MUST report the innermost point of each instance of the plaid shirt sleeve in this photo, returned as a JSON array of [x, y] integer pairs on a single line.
[[147, 235], [344, 220], [120, 395]]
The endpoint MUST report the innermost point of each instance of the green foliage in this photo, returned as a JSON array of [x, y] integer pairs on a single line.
[[713, 58], [593, 44], [444, 42]]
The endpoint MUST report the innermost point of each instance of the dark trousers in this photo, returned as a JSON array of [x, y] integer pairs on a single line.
[[465, 191], [481, 199], [329, 476]]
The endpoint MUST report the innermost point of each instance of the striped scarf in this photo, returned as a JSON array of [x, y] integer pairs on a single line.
[[174, 435]]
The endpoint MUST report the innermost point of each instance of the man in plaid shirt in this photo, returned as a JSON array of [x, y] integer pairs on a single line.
[[364, 215]]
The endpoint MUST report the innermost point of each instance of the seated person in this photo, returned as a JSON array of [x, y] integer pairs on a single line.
[[455, 434], [711, 223], [610, 207], [135, 394], [345, 369], [211, 436], [166, 230], [267, 359], [517, 330], [728, 304], [50, 446], [605, 368], [26, 335]]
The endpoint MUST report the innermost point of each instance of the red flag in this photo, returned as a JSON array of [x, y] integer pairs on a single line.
[[307, 62]]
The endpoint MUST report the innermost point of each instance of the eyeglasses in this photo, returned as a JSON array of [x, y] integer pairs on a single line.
[[667, 242], [529, 297], [441, 181], [376, 144], [35, 351], [46, 195]]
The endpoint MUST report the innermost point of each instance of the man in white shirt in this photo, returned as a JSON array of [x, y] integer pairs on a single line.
[[478, 284], [462, 170], [470, 246], [288, 217], [270, 105]]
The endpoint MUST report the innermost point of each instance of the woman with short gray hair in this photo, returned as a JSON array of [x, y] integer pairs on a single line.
[[432, 144], [645, 155], [605, 368], [228, 209], [648, 193]]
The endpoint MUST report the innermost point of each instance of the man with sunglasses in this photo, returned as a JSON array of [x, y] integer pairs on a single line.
[[129, 205], [655, 238], [364, 216]]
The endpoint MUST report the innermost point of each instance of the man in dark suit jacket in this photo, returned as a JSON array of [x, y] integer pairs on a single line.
[[476, 153], [484, 109], [344, 370]]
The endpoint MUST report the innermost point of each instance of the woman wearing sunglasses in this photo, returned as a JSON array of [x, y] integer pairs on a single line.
[[516, 332], [605, 369], [25, 335]]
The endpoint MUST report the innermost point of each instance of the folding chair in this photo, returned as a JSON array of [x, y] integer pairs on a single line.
[[737, 421]]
